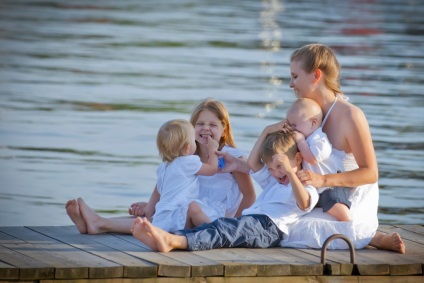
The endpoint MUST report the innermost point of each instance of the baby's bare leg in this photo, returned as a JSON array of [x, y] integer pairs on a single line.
[[340, 211]]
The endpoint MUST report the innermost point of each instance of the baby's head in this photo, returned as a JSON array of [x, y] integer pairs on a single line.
[[280, 143], [175, 138], [305, 116]]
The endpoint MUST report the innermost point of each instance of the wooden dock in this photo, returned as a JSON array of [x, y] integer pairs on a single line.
[[61, 254]]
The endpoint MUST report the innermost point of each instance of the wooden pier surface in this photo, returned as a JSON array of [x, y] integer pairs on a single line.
[[61, 254]]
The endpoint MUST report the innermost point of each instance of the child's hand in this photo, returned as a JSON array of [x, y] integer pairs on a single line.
[[277, 127], [283, 160], [137, 209], [212, 144], [298, 137]]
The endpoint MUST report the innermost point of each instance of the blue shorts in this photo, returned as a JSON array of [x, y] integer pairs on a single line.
[[331, 196], [247, 231]]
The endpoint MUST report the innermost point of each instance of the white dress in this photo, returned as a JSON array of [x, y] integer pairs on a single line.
[[178, 186], [220, 195], [318, 226], [327, 162]]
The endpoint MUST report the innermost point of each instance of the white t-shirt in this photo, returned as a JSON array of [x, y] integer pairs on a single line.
[[277, 201], [178, 185], [220, 195]]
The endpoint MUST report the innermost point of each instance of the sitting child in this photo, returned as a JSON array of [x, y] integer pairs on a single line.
[[284, 200]]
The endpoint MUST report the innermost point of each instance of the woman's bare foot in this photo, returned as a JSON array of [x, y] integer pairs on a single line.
[[391, 242], [156, 238], [73, 211], [93, 220]]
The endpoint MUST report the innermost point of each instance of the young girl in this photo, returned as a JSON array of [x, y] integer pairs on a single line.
[[233, 191], [223, 194]]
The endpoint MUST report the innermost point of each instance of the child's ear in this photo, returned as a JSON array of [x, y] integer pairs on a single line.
[[299, 158], [186, 148], [314, 121]]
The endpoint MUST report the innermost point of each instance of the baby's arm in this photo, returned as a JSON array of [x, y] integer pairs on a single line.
[[211, 167], [303, 147]]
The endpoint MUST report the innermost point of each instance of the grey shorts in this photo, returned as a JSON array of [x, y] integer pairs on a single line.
[[331, 196]]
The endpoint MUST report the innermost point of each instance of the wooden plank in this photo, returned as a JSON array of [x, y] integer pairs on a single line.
[[232, 259], [47, 250], [96, 257], [419, 229], [133, 267], [337, 261], [166, 265], [8, 271], [200, 266], [29, 268]]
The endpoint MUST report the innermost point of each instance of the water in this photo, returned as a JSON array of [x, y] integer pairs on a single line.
[[86, 85]]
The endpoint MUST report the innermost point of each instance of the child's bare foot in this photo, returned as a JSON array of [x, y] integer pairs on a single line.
[[93, 220], [391, 242], [156, 238], [139, 231], [73, 211]]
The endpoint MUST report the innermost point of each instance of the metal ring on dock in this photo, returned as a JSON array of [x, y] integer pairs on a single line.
[[338, 236]]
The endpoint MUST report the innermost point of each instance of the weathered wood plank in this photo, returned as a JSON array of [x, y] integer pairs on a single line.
[[29, 268], [133, 267], [97, 257], [200, 266], [63, 258], [8, 271], [235, 264], [166, 265], [337, 261]]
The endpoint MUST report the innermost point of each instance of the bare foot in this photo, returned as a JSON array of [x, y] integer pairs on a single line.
[[73, 211], [93, 220], [139, 231], [156, 238], [391, 242]]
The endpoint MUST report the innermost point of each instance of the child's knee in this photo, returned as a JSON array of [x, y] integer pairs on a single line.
[[193, 208]]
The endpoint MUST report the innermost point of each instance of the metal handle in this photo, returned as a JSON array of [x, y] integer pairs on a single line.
[[338, 236]]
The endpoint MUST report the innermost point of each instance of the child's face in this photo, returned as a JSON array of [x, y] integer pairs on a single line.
[[208, 124], [301, 82], [300, 123], [279, 165]]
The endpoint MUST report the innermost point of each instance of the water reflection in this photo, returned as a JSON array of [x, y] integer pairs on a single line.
[[86, 86]]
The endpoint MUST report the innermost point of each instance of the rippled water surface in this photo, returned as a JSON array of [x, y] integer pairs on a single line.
[[85, 85]]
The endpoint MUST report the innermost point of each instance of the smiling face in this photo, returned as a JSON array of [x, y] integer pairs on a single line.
[[208, 124], [301, 82], [277, 170]]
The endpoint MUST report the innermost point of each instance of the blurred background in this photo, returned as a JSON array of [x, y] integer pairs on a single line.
[[85, 85]]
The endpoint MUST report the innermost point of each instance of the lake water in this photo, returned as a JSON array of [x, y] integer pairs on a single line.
[[85, 86]]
